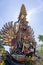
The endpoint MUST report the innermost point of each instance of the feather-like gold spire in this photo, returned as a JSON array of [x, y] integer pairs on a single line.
[[23, 13]]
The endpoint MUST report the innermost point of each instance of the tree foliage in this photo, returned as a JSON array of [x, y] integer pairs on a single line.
[[40, 37]]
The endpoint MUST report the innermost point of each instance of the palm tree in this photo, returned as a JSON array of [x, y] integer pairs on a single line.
[[40, 37]]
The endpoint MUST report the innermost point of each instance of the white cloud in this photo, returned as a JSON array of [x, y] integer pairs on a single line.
[[34, 11], [31, 13]]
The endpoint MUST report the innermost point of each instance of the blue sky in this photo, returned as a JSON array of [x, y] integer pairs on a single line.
[[9, 11]]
